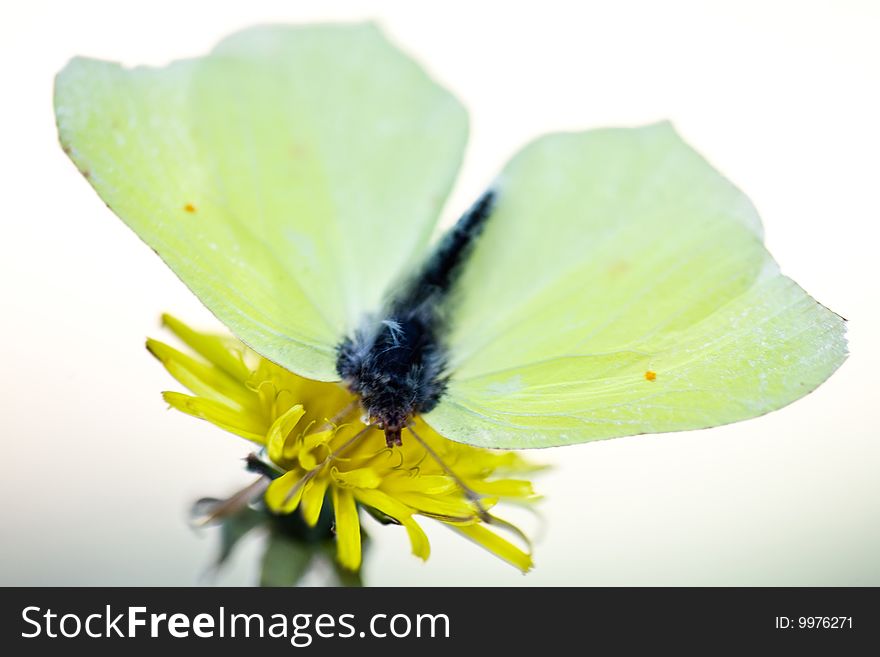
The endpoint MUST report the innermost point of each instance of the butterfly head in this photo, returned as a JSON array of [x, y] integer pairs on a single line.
[[395, 366]]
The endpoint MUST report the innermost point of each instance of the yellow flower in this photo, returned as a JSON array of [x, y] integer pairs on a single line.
[[317, 446]]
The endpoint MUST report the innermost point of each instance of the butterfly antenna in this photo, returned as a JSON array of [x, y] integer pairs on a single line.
[[469, 493]]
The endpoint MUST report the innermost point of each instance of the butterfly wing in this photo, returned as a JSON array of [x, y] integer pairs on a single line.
[[287, 178], [622, 287]]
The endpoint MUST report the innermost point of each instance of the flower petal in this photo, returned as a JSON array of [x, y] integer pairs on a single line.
[[284, 493], [388, 505], [502, 487], [348, 528], [414, 481], [306, 454], [213, 348], [280, 434], [357, 478], [385, 503], [452, 506], [201, 378], [231, 419], [497, 545], [313, 499], [421, 547]]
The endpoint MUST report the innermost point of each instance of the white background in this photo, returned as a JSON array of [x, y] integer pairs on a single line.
[[781, 96]]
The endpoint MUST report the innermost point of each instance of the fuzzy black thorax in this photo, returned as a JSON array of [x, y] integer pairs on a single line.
[[397, 370], [397, 363]]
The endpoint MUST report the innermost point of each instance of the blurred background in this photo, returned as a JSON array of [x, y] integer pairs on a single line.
[[783, 97]]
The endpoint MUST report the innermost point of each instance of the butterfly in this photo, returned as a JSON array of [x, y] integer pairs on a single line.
[[607, 283]]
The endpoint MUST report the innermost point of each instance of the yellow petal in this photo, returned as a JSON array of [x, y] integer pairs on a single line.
[[317, 438], [233, 420], [502, 487], [280, 434], [313, 499], [306, 454], [357, 478], [405, 480], [498, 546], [386, 504], [214, 348], [284, 493], [203, 379], [348, 529], [447, 506], [421, 547]]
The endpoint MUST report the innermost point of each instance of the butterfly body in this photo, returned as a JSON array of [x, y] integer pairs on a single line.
[[398, 364]]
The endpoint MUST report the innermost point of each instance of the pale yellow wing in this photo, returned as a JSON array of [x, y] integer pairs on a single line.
[[622, 287], [287, 178]]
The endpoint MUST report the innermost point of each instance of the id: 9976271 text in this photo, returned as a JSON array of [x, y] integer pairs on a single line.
[[814, 622]]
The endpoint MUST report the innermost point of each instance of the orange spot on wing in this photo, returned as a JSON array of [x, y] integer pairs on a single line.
[[650, 375], [189, 207], [298, 151], [618, 268]]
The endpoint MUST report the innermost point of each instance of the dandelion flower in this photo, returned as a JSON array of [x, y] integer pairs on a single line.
[[315, 448]]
